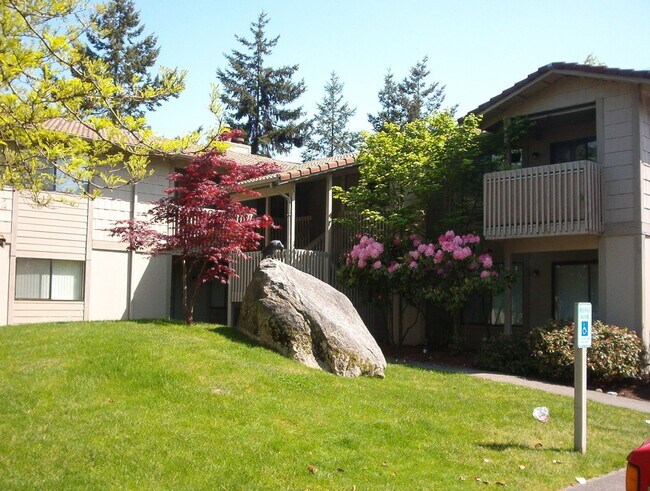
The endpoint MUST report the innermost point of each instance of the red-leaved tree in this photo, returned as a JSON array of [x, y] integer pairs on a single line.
[[200, 222]]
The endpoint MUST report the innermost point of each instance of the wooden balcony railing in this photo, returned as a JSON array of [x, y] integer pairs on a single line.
[[550, 200]]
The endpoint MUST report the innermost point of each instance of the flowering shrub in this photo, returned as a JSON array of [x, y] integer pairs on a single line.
[[615, 354], [445, 272]]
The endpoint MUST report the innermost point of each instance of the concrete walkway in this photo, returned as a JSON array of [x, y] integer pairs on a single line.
[[612, 481]]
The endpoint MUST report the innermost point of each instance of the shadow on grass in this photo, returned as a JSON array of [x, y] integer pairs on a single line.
[[233, 334], [502, 447]]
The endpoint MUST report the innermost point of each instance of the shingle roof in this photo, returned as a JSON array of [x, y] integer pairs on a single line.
[[307, 169], [563, 68]]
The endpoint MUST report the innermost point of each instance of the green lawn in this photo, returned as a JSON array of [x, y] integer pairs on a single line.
[[157, 405]]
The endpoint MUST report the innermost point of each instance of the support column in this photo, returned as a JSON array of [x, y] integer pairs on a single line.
[[291, 219], [267, 211], [328, 226], [507, 297]]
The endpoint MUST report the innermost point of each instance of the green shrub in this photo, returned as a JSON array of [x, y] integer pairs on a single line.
[[510, 354], [615, 354]]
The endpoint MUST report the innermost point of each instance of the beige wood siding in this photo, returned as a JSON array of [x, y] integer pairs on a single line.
[[27, 311], [645, 154], [6, 202], [57, 231], [107, 211]]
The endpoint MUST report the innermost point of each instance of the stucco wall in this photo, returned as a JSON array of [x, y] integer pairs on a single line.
[[619, 265], [108, 285], [151, 291]]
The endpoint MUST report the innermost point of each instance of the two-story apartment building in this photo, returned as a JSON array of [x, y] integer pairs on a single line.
[[572, 212]]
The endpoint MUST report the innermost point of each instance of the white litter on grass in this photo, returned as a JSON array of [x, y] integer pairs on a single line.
[[612, 393], [647, 421], [581, 480], [541, 414]]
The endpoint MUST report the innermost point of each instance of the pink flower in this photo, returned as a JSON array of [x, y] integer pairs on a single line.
[[485, 274], [376, 264], [414, 254], [394, 267], [413, 265], [362, 263], [495, 274], [437, 259], [347, 260], [430, 251], [485, 260], [462, 253]]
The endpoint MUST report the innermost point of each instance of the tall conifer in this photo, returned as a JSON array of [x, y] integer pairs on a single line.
[[409, 100], [257, 97], [329, 134], [117, 39]]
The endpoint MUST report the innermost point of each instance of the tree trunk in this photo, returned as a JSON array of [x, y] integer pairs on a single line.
[[456, 344], [188, 310]]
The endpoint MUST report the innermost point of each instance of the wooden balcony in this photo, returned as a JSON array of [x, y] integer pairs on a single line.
[[550, 200]]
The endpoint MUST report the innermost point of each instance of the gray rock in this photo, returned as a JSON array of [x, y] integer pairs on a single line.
[[309, 321]]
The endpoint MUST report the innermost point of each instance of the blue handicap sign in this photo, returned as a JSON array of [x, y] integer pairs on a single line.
[[585, 328]]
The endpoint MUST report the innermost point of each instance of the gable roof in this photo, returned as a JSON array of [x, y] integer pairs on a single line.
[[553, 71]]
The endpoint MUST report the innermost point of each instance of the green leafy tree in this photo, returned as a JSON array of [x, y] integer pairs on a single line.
[[116, 38], [44, 74], [257, 97], [329, 135], [409, 100], [403, 168]]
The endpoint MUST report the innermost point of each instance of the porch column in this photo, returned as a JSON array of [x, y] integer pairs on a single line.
[[291, 219], [328, 225], [267, 211], [507, 297]]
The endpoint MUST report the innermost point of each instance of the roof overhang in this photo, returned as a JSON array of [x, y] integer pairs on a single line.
[[495, 108]]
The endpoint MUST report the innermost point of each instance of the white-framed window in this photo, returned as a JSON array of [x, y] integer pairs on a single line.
[[49, 279], [62, 183]]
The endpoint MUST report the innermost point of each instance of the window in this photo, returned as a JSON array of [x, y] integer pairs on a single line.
[[61, 183], [574, 282], [49, 279], [490, 310], [574, 150]]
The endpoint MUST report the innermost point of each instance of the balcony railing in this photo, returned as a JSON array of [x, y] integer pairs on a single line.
[[550, 200]]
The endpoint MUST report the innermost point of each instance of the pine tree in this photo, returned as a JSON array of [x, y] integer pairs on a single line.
[[257, 96], [115, 38], [329, 135], [410, 100]]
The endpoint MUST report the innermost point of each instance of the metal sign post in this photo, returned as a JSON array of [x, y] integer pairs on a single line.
[[582, 319]]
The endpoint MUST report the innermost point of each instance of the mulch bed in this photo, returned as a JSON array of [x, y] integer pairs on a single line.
[[633, 389]]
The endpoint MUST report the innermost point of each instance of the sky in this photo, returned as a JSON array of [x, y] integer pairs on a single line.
[[475, 48]]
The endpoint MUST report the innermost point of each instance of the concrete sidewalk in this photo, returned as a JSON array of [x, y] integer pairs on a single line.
[[612, 481]]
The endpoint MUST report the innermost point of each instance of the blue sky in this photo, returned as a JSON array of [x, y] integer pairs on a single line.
[[475, 48]]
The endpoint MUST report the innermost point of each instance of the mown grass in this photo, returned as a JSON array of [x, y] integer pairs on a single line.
[[157, 405]]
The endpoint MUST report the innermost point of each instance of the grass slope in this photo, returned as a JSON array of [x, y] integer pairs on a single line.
[[157, 405]]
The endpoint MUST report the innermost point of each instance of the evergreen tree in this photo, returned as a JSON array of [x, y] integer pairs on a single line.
[[116, 39], [329, 135], [257, 96], [410, 100]]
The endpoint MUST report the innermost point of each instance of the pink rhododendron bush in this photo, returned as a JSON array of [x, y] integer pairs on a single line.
[[412, 271]]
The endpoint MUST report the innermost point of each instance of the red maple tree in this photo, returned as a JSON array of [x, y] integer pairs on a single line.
[[200, 222]]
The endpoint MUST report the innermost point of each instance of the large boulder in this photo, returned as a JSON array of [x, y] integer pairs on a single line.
[[309, 321]]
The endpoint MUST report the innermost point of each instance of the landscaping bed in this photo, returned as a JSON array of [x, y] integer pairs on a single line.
[[634, 389]]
